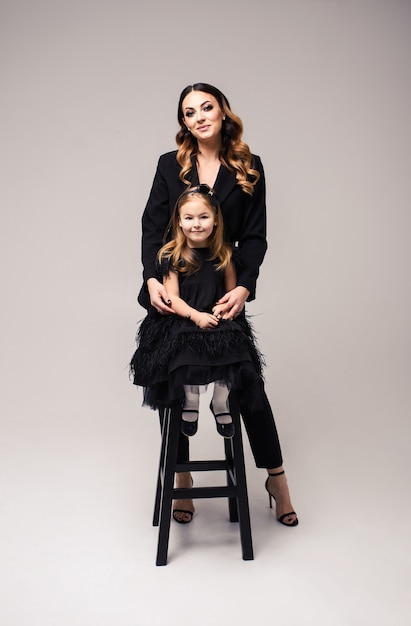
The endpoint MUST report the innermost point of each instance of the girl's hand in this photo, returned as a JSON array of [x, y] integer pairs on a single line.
[[159, 297], [206, 320], [231, 304]]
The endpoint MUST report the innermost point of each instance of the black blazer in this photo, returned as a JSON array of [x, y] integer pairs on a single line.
[[244, 219]]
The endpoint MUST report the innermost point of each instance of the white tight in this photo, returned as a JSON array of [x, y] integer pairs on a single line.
[[219, 402]]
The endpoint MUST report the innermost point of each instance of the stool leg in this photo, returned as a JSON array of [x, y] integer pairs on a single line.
[[170, 457], [165, 423], [229, 456], [242, 496]]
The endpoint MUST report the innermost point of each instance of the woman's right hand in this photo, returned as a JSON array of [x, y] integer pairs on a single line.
[[231, 304], [159, 298]]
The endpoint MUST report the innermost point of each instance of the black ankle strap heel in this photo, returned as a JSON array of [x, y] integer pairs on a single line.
[[270, 499]]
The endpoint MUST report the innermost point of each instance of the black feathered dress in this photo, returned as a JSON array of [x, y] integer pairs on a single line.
[[172, 351]]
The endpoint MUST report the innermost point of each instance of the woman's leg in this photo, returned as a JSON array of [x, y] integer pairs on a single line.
[[277, 486], [265, 446], [261, 429]]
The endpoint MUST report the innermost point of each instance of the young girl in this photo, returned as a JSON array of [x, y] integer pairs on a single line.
[[179, 353]]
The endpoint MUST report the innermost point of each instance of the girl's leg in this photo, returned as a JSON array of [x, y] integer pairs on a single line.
[[189, 414], [219, 402], [191, 403], [221, 410]]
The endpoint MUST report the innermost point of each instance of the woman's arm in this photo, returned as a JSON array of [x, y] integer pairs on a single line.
[[159, 298], [230, 277], [181, 308], [252, 247], [232, 303], [253, 237], [154, 223], [154, 220]]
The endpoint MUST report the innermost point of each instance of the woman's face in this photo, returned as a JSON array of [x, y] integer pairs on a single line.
[[202, 115], [197, 221]]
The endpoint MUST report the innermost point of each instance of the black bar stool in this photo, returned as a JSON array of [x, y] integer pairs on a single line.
[[235, 491]]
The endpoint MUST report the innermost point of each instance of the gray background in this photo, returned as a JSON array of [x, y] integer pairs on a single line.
[[89, 92]]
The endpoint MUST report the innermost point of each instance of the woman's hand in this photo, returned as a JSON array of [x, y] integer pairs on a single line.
[[159, 297], [231, 304]]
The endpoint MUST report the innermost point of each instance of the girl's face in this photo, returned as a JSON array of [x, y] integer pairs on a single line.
[[197, 221], [202, 115]]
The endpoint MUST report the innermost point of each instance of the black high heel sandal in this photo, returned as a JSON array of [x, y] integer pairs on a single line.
[[178, 514], [271, 497], [189, 428], [225, 430]]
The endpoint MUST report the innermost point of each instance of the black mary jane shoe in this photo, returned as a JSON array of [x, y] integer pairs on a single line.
[[225, 430], [189, 428]]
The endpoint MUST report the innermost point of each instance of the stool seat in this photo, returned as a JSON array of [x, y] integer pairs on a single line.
[[232, 464]]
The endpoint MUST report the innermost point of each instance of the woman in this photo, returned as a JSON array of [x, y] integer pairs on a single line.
[[211, 151]]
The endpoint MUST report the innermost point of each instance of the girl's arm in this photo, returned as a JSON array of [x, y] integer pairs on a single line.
[[179, 306]]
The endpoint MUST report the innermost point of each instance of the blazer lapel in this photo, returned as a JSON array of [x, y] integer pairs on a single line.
[[193, 174], [224, 182]]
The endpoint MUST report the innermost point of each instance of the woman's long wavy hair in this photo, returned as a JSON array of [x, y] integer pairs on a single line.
[[235, 154], [178, 254]]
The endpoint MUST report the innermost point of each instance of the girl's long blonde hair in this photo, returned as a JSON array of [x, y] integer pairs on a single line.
[[177, 253], [235, 154]]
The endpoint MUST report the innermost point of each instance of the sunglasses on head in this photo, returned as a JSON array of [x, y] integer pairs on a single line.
[[205, 190]]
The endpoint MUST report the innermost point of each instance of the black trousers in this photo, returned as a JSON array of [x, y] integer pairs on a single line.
[[261, 431]]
